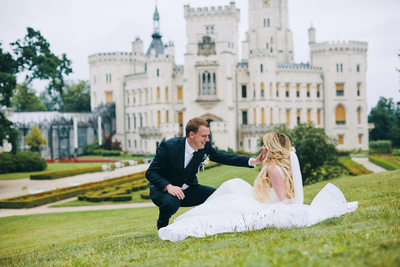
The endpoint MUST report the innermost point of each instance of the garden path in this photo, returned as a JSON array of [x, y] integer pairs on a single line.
[[17, 187], [369, 165]]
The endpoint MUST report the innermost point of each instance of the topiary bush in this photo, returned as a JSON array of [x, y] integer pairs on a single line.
[[21, 162], [28, 161], [380, 146]]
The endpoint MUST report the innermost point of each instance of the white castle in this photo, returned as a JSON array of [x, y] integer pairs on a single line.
[[243, 99]]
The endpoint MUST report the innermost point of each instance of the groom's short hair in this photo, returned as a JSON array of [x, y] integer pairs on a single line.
[[194, 124]]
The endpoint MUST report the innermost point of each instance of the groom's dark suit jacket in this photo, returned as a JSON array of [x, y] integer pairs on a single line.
[[168, 164]]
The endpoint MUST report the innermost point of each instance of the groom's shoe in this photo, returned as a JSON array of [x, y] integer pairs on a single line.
[[161, 223]]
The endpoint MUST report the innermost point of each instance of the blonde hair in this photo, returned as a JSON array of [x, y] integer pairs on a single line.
[[279, 147]]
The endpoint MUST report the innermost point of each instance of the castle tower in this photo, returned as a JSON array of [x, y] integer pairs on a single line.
[[269, 29], [344, 67], [209, 76]]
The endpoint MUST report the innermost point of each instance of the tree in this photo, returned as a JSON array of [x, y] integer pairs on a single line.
[[35, 57], [316, 152], [35, 140], [26, 100], [8, 70], [76, 97], [386, 118]]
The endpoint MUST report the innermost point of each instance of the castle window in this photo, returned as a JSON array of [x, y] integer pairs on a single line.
[[318, 90], [94, 79], [262, 117], [308, 90], [288, 117], [167, 116], [134, 121], [109, 97], [268, 24], [180, 118], [208, 84], [261, 68], [158, 118], [211, 29], [244, 117], [158, 93], [267, 46], [244, 91], [360, 139], [270, 89], [271, 116], [298, 116], [358, 89], [359, 115], [341, 67], [287, 90], [129, 122], [340, 139], [166, 93], [340, 115], [255, 116], [135, 142], [358, 67], [180, 93], [262, 90], [319, 117], [158, 72], [129, 143], [340, 89], [308, 115], [277, 89], [265, 23], [298, 90], [140, 120]]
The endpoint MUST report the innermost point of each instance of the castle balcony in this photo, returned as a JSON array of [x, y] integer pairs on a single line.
[[252, 129], [147, 132]]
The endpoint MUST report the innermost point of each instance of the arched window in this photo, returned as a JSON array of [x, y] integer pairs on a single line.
[[340, 115], [209, 83], [262, 89], [204, 84]]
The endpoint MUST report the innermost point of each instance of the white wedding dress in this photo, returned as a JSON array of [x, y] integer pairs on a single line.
[[233, 208]]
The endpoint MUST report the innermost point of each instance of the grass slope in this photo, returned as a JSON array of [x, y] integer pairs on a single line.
[[369, 236]]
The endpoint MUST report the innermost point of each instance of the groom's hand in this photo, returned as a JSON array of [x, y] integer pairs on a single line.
[[176, 191], [260, 158]]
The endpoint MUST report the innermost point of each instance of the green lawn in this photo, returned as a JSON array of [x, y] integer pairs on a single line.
[[50, 168], [128, 237]]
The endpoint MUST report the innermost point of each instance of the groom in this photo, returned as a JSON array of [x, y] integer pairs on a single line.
[[172, 174]]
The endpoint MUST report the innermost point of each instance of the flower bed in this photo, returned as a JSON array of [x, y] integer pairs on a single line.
[[34, 200], [72, 160]]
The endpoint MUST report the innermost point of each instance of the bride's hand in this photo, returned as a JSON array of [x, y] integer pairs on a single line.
[[261, 157]]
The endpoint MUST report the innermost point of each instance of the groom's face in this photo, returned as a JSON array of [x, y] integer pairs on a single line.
[[200, 138]]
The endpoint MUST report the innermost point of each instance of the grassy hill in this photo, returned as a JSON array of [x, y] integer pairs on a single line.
[[369, 236]]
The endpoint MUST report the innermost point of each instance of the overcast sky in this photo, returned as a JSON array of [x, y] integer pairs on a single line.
[[80, 28]]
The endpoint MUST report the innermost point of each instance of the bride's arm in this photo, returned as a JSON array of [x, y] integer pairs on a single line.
[[277, 182]]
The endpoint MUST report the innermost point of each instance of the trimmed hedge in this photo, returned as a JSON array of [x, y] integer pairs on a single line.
[[116, 193], [34, 200], [21, 162], [384, 163], [65, 173], [145, 195], [380, 146], [353, 167]]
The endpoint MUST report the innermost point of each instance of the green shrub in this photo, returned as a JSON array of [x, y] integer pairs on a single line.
[[145, 195], [89, 150], [28, 161], [21, 162], [107, 153], [125, 197], [353, 167], [384, 163], [380, 146], [7, 162], [65, 173]]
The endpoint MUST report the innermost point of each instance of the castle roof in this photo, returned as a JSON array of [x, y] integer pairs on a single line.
[[156, 45]]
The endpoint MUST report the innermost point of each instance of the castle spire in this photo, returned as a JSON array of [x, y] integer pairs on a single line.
[[156, 21]]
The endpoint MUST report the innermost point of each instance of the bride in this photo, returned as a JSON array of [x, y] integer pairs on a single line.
[[276, 200]]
